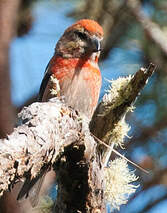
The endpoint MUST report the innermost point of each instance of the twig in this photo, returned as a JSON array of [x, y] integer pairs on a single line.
[[117, 153]]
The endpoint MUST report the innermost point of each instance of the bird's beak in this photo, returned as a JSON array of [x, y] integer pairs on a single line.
[[96, 44]]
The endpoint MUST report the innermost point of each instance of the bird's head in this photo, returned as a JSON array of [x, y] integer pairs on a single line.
[[81, 39]]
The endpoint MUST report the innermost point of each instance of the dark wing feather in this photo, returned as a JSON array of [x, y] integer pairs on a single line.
[[31, 188], [35, 190], [44, 82]]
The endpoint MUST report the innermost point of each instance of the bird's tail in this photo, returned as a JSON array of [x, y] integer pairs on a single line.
[[31, 189]]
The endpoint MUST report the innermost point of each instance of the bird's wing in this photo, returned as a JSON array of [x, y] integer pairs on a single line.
[[44, 83], [35, 190], [31, 188]]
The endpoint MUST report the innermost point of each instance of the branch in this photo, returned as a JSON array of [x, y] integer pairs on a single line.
[[39, 142], [108, 120], [151, 29], [54, 135], [117, 102], [51, 132]]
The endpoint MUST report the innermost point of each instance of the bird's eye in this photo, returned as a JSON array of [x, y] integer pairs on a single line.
[[81, 35]]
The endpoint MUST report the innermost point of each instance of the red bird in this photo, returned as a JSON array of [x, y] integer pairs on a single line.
[[75, 67]]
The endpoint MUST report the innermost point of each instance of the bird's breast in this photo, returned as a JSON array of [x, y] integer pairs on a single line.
[[80, 83]]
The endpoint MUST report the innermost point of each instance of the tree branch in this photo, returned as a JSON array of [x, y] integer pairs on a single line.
[[54, 135], [115, 106], [38, 142], [151, 29]]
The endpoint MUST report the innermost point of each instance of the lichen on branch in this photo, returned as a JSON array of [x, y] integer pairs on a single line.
[[118, 183], [118, 100], [47, 128]]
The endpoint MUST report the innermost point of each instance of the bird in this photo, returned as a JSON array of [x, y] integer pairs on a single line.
[[75, 66], [73, 73]]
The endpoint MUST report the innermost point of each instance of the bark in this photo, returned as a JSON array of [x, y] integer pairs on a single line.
[[51, 139]]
